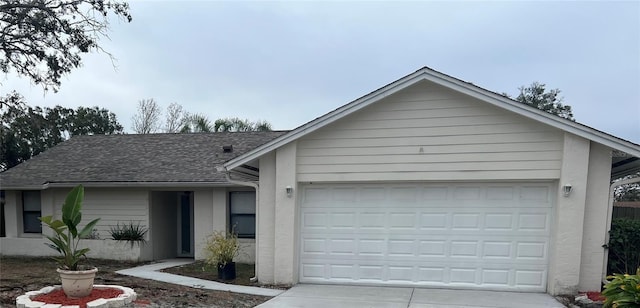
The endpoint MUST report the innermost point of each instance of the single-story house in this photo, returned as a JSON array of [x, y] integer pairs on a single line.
[[428, 181], [167, 183]]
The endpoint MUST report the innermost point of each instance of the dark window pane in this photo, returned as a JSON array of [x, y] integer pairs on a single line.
[[31, 222], [185, 224], [31, 200], [243, 202], [244, 225], [31, 211], [242, 213]]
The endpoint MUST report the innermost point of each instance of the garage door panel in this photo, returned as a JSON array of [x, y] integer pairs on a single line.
[[494, 276], [480, 235], [506, 195], [524, 231], [439, 248], [432, 241], [445, 204]]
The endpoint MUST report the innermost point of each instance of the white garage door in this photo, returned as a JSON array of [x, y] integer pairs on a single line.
[[469, 235]]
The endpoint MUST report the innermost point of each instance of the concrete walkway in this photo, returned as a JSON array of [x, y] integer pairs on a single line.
[[151, 272], [323, 296]]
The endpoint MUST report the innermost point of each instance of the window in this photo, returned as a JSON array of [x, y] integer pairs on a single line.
[[242, 213], [31, 211]]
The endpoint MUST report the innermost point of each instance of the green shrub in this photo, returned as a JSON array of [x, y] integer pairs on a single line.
[[131, 233], [623, 291], [221, 247], [624, 246]]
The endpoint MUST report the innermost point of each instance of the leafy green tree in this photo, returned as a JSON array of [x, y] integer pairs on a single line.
[[550, 101], [23, 134], [43, 39], [27, 131], [91, 121]]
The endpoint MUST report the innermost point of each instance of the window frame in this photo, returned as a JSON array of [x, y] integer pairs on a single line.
[[31, 212], [251, 215]]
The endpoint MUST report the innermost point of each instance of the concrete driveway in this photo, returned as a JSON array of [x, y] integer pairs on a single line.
[[325, 296]]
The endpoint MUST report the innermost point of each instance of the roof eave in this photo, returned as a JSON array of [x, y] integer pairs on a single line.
[[118, 185]]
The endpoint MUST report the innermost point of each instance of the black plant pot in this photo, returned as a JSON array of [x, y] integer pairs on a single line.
[[227, 271]]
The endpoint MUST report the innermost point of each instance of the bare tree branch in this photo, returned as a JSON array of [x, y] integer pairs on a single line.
[[44, 39], [147, 120], [176, 118]]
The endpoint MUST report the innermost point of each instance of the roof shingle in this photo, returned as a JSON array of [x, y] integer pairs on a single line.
[[134, 158]]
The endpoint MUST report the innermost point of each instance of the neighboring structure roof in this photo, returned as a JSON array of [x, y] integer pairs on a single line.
[[115, 160], [633, 204], [623, 164], [450, 82]]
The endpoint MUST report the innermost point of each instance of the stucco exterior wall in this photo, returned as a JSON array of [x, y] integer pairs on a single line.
[[247, 251], [566, 252], [286, 253], [265, 220], [12, 216], [277, 261], [595, 222], [203, 207]]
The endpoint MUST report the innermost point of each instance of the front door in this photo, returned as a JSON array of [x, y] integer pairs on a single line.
[[185, 224]]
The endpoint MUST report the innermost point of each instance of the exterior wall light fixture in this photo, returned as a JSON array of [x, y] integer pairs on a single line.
[[566, 189]]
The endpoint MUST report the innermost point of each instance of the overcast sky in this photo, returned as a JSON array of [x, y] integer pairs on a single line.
[[290, 62]]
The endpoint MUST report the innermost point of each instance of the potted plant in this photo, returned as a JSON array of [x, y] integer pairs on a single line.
[[77, 281], [220, 249]]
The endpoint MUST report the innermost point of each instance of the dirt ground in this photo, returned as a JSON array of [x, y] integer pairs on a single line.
[[201, 270], [19, 275]]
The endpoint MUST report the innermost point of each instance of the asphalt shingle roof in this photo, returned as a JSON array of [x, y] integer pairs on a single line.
[[134, 158]]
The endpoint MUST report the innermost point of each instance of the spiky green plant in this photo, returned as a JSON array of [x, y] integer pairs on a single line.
[[131, 233]]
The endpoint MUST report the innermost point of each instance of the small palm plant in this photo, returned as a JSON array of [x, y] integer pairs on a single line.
[[67, 237]]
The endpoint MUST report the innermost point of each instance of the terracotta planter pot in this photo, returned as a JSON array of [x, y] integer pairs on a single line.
[[77, 284], [227, 272]]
